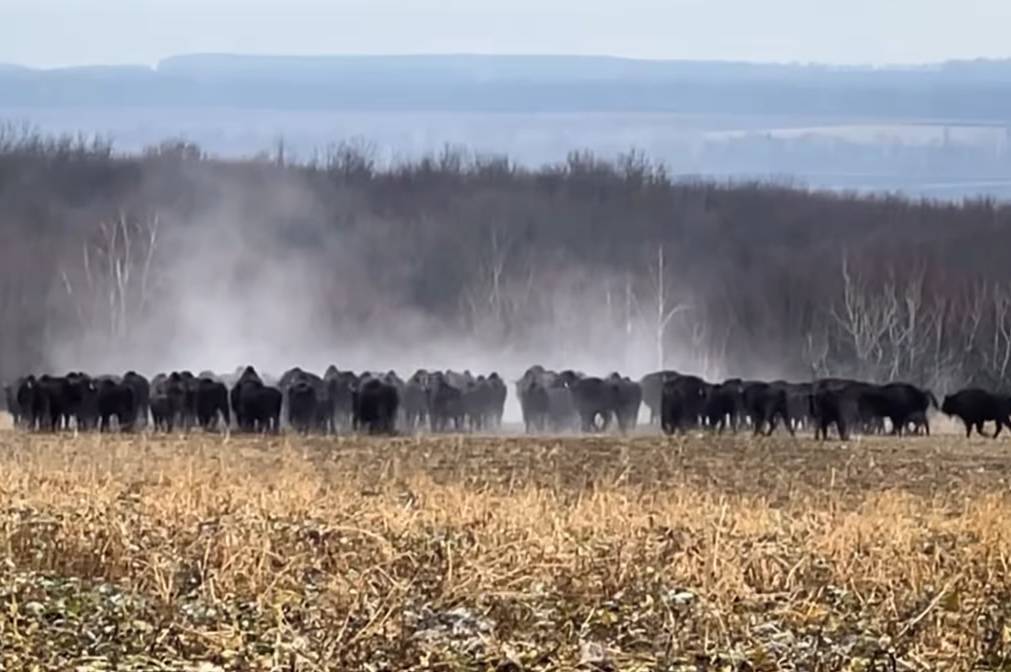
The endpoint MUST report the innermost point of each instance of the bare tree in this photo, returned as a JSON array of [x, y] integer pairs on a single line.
[[865, 316], [351, 160], [1000, 341], [113, 284], [664, 308], [502, 284], [709, 348], [905, 339], [816, 352], [583, 250]]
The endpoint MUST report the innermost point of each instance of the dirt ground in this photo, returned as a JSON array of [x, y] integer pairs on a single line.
[[513, 553]]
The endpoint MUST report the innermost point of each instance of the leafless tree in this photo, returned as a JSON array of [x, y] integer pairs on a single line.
[[490, 297], [664, 307], [737, 279], [113, 284]]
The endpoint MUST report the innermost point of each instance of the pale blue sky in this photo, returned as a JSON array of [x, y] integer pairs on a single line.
[[74, 32]]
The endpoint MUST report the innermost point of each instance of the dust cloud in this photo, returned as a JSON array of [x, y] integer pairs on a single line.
[[268, 280]]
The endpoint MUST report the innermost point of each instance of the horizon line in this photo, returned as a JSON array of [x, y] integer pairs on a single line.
[[463, 55]]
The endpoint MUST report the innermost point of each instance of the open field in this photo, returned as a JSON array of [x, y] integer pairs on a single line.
[[510, 554]]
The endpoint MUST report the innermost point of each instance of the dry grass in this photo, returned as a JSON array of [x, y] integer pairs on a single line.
[[503, 554]]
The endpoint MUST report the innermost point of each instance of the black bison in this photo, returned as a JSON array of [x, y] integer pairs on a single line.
[[766, 405], [257, 407], [682, 403], [116, 399], [212, 403], [376, 402], [975, 407], [651, 386]]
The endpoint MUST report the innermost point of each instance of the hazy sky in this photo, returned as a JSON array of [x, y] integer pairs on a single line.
[[73, 32]]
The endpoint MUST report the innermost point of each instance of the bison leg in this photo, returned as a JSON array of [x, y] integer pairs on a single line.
[[773, 423], [667, 426]]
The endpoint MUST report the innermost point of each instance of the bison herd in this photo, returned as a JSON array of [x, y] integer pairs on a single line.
[[449, 401], [336, 402], [568, 400]]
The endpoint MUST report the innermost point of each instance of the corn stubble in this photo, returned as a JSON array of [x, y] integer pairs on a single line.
[[511, 554]]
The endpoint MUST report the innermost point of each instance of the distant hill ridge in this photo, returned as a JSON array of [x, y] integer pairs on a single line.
[[970, 90], [526, 66], [509, 65]]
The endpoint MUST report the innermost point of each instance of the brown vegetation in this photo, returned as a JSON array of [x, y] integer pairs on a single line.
[[521, 553]]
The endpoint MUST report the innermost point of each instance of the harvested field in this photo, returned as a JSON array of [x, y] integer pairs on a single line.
[[511, 554]]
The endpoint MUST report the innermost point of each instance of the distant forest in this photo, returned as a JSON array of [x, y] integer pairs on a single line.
[[172, 258]]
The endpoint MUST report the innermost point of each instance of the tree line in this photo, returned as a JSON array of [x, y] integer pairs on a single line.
[[110, 252]]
